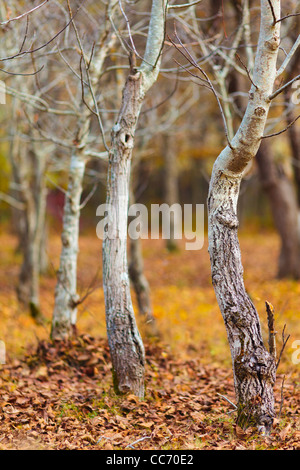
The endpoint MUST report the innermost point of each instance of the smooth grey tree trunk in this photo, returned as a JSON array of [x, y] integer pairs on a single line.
[[29, 167], [171, 185], [140, 282], [125, 343], [283, 202], [66, 297]]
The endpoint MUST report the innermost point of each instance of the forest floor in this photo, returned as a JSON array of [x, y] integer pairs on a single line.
[[61, 397]]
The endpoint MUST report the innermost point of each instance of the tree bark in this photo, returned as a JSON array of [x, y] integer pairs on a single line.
[[253, 366]]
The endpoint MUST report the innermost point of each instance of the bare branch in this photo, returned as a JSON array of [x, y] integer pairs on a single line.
[[273, 12], [288, 57], [22, 74], [272, 332], [245, 67], [23, 14], [284, 130], [284, 342], [30, 51], [287, 16], [12, 201], [184, 5], [184, 51], [284, 87]]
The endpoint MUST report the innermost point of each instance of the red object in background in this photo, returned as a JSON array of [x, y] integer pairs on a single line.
[[55, 204]]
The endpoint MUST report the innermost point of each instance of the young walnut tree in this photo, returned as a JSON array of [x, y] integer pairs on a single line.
[[126, 346], [254, 366]]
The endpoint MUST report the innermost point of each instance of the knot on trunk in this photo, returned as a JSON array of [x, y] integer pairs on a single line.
[[273, 43], [126, 139], [228, 218], [259, 364], [259, 111]]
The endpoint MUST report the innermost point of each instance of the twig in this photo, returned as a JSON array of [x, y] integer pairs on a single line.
[[23, 14], [227, 399], [282, 397], [246, 68], [12, 201], [186, 54], [138, 440], [288, 57], [30, 51], [287, 16], [283, 88], [284, 341], [272, 332], [281, 132], [22, 74], [86, 66], [273, 12], [89, 196], [184, 5], [25, 35]]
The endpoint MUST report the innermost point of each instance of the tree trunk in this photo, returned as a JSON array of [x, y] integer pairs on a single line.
[[293, 70], [254, 367], [126, 346], [66, 297], [171, 185], [29, 173], [284, 209], [139, 280], [65, 309]]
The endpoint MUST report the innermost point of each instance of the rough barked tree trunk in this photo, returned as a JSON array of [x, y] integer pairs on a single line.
[[125, 343], [254, 367], [283, 201]]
